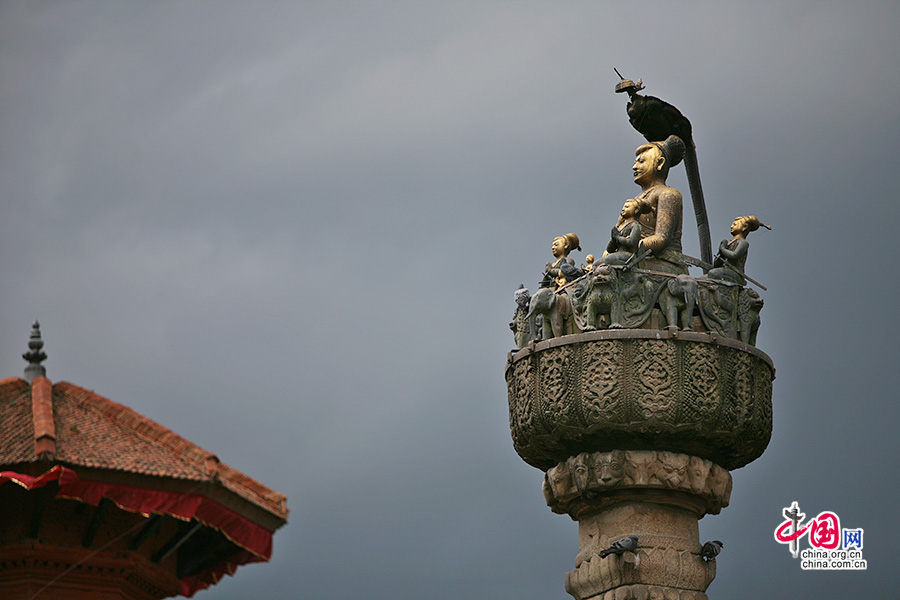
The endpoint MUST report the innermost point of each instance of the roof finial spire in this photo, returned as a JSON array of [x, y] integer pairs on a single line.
[[35, 355]]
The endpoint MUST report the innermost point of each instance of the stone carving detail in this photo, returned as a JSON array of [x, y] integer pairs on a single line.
[[521, 421], [673, 469], [749, 305], [558, 382], [609, 468], [560, 483], [642, 271], [683, 392], [586, 477], [763, 389], [519, 323], [698, 473], [654, 362], [580, 467], [660, 563], [664, 562], [603, 396], [701, 378], [590, 473], [641, 592], [720, 482], [742, 386], [618, 296], [641, 467], [547, 316]]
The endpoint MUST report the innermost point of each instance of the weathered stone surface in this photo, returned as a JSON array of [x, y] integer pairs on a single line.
[[587, 481], [667, 558], [689, 393]]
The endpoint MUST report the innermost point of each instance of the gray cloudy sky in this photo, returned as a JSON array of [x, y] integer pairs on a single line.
[[291, 232]]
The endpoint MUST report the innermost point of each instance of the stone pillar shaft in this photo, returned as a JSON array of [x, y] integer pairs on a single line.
[[667, 556]]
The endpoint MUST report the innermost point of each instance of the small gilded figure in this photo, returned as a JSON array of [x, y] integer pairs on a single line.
[[561, 247], [589, 259], [729, 262], [625, 238]]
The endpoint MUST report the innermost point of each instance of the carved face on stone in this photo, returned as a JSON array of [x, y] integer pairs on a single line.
[[720, 481], [522, 297], [609, 468], [647, 164], [561, 483], [753, 300], [673, 468], [640, 466], [548, 491], [699, 471], [580, 466]]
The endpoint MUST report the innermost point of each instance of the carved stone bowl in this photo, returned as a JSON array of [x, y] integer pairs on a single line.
[[637, 389]]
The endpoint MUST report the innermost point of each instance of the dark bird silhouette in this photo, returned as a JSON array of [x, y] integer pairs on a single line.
[[624, 545], [656, 120], [711, 550]]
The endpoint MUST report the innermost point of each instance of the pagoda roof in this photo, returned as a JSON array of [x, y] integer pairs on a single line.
[[91, 449], [62, 423], [62, 441]]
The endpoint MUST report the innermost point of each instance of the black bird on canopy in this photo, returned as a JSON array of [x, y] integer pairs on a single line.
[[656, 120]]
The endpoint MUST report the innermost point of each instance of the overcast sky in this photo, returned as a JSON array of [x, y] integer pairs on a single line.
[[291, 233]]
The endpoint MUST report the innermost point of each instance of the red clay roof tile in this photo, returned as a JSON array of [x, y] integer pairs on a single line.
[[93, 431], [16, 422]]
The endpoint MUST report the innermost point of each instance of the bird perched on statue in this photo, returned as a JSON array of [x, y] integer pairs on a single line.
[[710, 550], [655, 119], [624, 545]]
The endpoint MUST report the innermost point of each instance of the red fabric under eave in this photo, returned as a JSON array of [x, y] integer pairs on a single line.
[[255, 541]]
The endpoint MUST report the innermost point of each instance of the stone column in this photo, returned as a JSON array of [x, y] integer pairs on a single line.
[[637, 431]]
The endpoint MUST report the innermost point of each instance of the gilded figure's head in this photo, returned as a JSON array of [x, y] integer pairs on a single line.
[[746, 224], [564, 244], [654, 160], [634, 207], [648, 162]]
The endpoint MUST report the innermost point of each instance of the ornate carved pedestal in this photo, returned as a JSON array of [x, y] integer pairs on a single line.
[[637, 431]]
